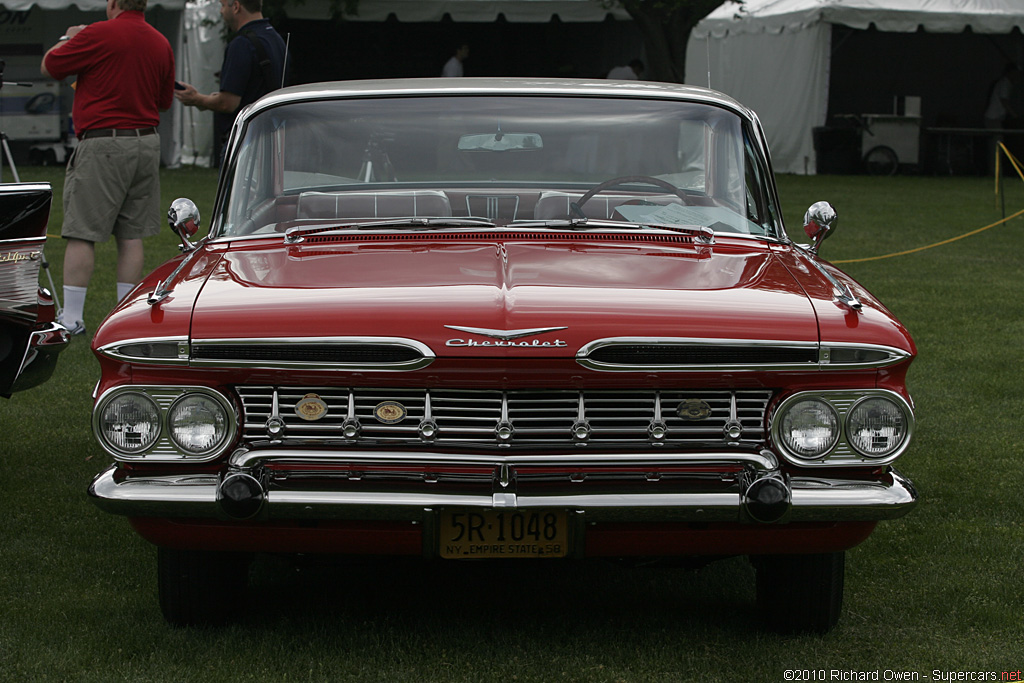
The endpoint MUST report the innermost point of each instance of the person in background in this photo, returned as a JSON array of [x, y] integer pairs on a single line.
[[453, 67], [254, 64], [125, 78], [1001, 98], [630, 72], [1001, 109]]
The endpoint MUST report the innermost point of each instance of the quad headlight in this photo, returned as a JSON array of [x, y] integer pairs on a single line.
[[810, 428], [876, 427], [197, 423], [129, 423], [841, 428], [164, 423]]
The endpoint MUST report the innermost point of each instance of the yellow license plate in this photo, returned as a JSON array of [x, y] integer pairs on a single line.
[[479, 534]]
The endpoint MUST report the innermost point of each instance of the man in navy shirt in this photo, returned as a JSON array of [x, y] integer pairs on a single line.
[[254, 64]]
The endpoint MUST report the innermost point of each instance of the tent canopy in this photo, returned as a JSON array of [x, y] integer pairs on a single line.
[[934, 16], [466, 10], [777, 56]]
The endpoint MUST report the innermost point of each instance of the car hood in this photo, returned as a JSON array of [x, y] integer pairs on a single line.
[[475, 297]]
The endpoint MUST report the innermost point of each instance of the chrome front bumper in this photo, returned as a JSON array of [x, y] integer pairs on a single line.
[[805, 499]]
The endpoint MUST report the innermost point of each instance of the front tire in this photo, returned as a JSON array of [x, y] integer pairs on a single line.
[[200, 588], [800, 592]]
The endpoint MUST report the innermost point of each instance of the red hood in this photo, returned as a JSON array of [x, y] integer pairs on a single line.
[[588, 290]]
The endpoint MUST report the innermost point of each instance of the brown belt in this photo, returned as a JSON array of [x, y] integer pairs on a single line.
[[116, 133]]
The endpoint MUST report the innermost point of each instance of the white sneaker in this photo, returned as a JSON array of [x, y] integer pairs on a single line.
[[75, 329]]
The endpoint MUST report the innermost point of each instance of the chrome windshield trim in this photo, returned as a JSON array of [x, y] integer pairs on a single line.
[[881, 356], [426, 355]]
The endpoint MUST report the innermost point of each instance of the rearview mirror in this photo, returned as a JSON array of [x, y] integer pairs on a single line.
[[183, 217], [819, 222], [500, 142]]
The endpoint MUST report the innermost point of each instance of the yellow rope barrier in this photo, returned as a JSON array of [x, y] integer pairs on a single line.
[[1016, 166], [930, 246]]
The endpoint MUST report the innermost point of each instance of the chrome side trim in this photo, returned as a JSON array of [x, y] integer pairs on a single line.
[[177, 349], [165, 289], [840, 290], [881, 356], [426, 355], [195, 496], [890, 355], [40, 358]]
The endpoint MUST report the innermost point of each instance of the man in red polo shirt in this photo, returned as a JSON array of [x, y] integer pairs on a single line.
[[125, 78]]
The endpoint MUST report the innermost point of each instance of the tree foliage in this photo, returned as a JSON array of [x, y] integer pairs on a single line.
[[665, 26]]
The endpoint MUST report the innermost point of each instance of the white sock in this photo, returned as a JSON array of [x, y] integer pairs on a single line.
[[74, 304], [123, 288]]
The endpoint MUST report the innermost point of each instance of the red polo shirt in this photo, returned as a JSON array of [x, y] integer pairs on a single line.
[[125, 71]]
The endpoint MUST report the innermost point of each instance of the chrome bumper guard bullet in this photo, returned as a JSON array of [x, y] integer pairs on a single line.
[[243, 493]]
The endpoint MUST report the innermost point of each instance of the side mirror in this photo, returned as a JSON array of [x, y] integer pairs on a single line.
[[183, 217], [819, 222]]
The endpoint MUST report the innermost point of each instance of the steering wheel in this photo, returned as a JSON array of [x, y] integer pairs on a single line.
[[577, 206]]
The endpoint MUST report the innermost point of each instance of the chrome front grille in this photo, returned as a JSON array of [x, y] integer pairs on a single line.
[[525, 418]]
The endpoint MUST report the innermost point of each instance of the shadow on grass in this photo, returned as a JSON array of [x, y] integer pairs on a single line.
[[585, 597]]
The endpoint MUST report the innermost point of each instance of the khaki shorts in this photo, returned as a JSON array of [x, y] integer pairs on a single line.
[[112, 187]]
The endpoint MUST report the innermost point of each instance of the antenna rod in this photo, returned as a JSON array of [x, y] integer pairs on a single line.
[[284, 64], [707, 48]]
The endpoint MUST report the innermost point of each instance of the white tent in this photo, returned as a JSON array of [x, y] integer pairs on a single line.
[[30, 27], [776, 55], [467, 10]]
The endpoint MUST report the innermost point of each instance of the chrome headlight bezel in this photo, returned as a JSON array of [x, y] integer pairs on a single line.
[[165, 448], [220, 415], [830, 421], [844, 452], [905, 423], [150, 416]]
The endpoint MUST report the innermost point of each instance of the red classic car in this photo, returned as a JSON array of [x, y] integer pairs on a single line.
[[473, 319], [30, 339]]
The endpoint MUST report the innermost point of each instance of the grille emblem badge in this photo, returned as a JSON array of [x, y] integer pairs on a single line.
[[311, 408], [694, 409], [390, 412]]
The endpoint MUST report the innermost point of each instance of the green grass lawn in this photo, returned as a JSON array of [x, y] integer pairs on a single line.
[[940, 589]]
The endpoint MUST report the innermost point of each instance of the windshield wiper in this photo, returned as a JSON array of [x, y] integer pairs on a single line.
[[556, 223], [703, 233], [294, 235]]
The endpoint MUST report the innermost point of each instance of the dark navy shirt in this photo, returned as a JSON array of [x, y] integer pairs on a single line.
[[241, 73]]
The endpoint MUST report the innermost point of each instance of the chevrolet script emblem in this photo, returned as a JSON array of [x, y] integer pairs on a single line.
[[505, 337]]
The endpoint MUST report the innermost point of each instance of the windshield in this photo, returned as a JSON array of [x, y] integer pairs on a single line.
[[507, 160]]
